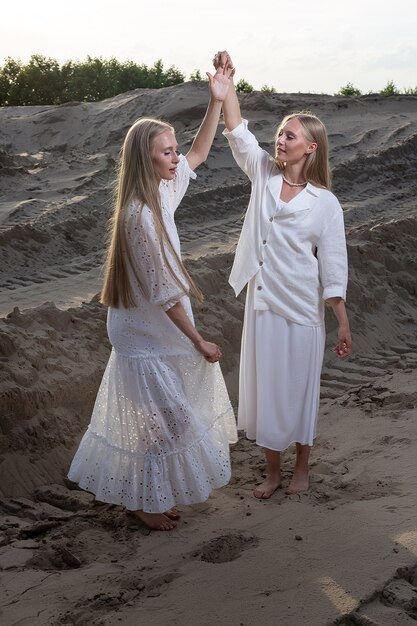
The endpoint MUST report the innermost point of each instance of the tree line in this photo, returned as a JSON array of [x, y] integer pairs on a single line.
[[390, 89], [44, 81]]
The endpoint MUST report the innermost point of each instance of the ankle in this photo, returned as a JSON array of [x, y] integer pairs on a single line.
[[275, 475]]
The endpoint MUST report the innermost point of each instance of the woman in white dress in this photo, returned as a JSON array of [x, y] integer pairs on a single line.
[[292, 257], [161, 426]]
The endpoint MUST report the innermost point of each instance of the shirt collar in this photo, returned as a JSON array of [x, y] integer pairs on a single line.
[[275, 183], [315, 191], [302, 202]]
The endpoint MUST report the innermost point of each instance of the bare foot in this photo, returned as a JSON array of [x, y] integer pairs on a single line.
[[267, 487], [298, 484], [154, 521], [172, 513]]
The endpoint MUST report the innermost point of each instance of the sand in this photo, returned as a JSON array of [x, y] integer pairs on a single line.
[[343, 553]]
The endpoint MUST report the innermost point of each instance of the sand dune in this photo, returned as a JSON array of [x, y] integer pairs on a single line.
[[346, 552]]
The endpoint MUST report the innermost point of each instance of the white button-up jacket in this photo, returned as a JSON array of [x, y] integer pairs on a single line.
[[295, 252]]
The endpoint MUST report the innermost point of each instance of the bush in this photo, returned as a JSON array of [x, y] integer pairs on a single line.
[[349, 90], [243, 86], [389, 89], [410, 91], [268, 90], [196, 75]]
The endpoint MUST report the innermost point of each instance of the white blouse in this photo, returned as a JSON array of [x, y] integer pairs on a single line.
[[294, 251], [150, 264]]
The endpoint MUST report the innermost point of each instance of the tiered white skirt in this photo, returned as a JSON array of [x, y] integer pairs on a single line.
[[159, 434]]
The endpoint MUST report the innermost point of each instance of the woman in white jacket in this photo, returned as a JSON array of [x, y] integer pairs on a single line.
[[292, 256]]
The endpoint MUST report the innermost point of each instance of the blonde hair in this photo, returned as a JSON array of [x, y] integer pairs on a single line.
[[137, 181], [316, 168]]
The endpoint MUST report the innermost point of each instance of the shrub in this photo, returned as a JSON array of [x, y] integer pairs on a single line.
[[268, 90], [243, 86], [196, 75], [349, 90], [389, 89]]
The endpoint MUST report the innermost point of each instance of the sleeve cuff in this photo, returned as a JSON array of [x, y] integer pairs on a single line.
[[170, 303], [239, 131], [187, 168], [334, 291]]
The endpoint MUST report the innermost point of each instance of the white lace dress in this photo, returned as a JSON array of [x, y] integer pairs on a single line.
[[161, 426]]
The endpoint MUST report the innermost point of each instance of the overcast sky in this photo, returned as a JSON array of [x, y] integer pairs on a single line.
[[296, 46]]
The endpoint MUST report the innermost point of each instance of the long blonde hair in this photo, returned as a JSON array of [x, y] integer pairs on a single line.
[[137, 181], [316, 168]]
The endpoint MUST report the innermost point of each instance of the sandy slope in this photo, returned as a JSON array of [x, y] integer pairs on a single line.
[[301, 560]]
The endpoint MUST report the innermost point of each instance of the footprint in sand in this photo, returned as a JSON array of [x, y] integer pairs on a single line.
[[225, 548]]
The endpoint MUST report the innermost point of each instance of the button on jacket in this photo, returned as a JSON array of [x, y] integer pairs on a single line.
[[295, 252]]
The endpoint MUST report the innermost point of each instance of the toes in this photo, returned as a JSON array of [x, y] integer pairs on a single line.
[[155, 521], [262, 495], [172, 513], [168, 525], [265, 490], [294, 488]]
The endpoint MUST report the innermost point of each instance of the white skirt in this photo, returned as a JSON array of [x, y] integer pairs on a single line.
[[279, 382], [161, 426]]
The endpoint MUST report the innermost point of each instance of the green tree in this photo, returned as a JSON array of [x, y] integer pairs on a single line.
[[196, 75], [4, 88], [349, 90], [92, 80], [37, 82], [389, 90], [157, 77], [268, 90], [172, 76], [243, 86], [10, 74], [132, 76], [44, 80]]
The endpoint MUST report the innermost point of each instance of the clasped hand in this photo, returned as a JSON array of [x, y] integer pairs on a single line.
[[222, 59]]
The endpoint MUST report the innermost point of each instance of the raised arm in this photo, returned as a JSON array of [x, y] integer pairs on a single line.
[[219, 85], [231, 107]]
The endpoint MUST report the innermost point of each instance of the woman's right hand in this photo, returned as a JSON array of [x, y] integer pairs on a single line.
[[209, 350], [231, 108]]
